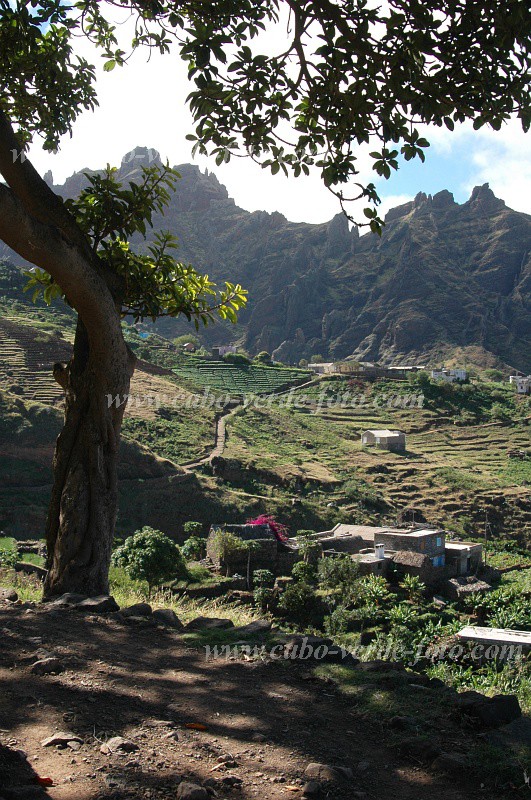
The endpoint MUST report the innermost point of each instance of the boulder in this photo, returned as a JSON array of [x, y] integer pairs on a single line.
[[208, 623], [48, 666], [452, 763], [119, 745], [254, 628], [137, 610], [61, 739], [8, 594], [326, 772], [103, 604], [168, 618], [489, 712], [311, 789], [192, 791]]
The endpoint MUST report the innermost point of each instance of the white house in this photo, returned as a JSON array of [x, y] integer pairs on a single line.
[[395, 441], [327, 368], [522, 383], [449, 375]]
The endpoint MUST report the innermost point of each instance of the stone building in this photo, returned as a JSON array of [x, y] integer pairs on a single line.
[[428, 542], [394, 441], [269, 552]]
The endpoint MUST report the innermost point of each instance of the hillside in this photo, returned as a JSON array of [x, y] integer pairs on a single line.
[[443, 278], [296, 455]]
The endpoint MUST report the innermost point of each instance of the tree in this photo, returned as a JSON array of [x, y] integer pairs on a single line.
[[149, 555], [180, 341], [192, 528], [194, 548], [263, 358], [349, 72]]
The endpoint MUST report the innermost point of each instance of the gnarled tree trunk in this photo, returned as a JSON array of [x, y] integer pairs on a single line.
[[83, 507], [80, 527]]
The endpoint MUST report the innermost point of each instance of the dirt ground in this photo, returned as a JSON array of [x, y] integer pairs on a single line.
[[268, 720]]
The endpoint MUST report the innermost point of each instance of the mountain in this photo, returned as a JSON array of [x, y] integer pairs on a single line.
[[445, 280]]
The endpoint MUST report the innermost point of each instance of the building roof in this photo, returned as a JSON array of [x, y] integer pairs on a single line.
[[507, 635], [367, 532], [418, 533], [384, 432], [462, 545], [247, 532], [409, 558]]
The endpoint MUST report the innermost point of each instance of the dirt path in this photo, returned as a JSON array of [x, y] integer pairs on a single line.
[[268, 719]]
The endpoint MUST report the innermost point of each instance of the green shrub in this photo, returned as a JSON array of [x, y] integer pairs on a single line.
[[340, 572], [8, 556], [149, 555], [263, 578], [298, 600], [193, 528], [337, 622], [304, 573], [236, 358], [194, 548], [263, 597]]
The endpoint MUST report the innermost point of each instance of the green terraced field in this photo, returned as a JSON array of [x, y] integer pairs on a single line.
[[239, 379]]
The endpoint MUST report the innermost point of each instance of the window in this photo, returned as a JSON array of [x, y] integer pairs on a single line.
[[439, 541], [423, 545], [438, 561]]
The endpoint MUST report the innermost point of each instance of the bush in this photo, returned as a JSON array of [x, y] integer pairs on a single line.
[[193, 528], [8, 556], [297, 600], [337, 622], [263, 597], [149, 555], [263, 577], [263, 358], [340, 572], [236, 358], [194, 548], [303, 572], [494, 374]]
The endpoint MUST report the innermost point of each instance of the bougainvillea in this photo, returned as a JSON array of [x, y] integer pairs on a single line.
[[280, 531]]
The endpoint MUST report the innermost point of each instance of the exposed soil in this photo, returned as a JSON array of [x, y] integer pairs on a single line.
[[145, 684]]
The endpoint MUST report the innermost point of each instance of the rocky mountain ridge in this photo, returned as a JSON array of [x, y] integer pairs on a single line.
[[443, 279]]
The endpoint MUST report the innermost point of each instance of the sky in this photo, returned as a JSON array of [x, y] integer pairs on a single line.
[[144, 104]]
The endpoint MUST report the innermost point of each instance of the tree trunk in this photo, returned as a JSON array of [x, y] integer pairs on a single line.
[[83, 506]]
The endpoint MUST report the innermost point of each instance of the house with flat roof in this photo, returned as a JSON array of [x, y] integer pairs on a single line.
[[522, 383], [449, 375], [463, 558], [394, 441], [512, 641]]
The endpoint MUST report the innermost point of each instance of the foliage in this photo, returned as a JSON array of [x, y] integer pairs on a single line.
[[280, 530], [374, 589], [336, 623], [340, 572], [192, 528], [263, 357], [194, 548], [8, 556], [156, 284], [149, 555], [309, 548], [236, 358], [226, 544], [263, 597], [413, 587], [494, 374], [263, 577], [304, 572], [298, 600]]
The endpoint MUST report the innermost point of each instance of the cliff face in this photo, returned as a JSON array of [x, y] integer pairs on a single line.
[[442, 277]]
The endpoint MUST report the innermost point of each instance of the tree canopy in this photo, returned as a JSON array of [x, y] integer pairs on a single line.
[[349, 73]]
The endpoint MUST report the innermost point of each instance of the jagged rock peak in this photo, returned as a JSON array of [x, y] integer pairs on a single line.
[[142, 157], [484, 199], [443, 199]]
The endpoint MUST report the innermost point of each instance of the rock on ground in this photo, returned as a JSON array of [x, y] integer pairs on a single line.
[[191, 791]]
